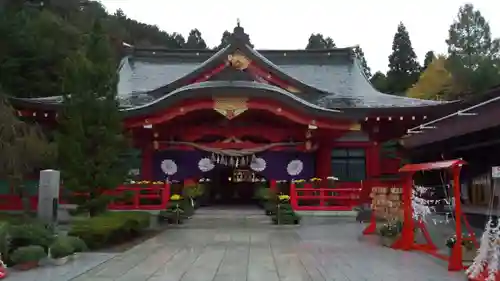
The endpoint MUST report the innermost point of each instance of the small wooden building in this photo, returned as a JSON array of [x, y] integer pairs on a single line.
[[471, 133]]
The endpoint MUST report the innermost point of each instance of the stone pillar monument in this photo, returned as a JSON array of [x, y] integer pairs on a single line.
[[48, 195]]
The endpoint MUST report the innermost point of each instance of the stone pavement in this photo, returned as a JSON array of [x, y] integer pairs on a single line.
[[329, 249]]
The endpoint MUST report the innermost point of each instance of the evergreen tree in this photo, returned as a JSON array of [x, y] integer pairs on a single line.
[[91, 140], [403, 66], [224, 41], [360, 55], [473, 53], [429, 57], [195, 41], [317, 42], [379, 81]]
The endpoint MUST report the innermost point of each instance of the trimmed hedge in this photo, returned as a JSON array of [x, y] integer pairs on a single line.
[[110, 228]]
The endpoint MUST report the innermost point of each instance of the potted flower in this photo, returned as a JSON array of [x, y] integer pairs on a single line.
[[468, 248], [60, 251], [27, 257], [284, 212], [174, 213], [389, 232], [79, 246]]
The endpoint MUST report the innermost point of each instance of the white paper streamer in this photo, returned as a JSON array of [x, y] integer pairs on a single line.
[[482, 253]]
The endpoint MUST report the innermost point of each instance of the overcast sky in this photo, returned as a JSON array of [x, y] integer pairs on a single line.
[[280, 24]]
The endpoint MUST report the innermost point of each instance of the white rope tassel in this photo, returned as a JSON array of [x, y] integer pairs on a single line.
[[482, 253], [493, 262]]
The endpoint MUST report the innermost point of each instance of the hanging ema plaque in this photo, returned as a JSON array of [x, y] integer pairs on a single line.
[[243, 175]]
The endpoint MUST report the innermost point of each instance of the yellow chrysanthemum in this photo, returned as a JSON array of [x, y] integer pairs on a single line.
[[284, 197], [175, 197]]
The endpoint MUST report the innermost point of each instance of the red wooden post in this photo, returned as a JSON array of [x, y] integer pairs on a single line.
[[407, 238], [455, 261], [322, 197], [293, 196], [137, 201], [165, 195], [273, 186]]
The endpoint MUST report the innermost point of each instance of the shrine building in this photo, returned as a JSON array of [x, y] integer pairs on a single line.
[[284, 114]]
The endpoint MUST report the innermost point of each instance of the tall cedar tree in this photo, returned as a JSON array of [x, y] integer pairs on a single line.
[[429, 58], [403, 66], [91, 140], [473, 53]]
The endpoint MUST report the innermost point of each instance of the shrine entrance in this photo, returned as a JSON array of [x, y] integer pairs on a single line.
[[232, 186]]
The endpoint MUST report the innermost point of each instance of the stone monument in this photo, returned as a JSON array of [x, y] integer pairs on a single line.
[[48, 195]]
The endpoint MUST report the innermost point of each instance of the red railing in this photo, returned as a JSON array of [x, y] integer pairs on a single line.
[[323, 199], [129, 197]]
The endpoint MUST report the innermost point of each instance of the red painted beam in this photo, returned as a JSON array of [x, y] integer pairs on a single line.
[[271, 134], [206, 76]]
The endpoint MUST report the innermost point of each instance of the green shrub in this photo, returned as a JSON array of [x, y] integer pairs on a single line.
[[110, 228], [77, 244], [391, 229], [60, 248], [28, 254], [30, 234]]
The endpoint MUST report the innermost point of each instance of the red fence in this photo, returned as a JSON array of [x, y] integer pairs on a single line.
[[127, 197], [306, 197]]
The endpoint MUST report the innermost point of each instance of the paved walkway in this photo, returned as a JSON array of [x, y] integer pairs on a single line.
[[309, 252]]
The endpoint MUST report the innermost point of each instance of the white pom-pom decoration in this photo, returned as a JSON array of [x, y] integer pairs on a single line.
[[205, 164], [295, 167], [482, 257], [168, 167], [258, 165]]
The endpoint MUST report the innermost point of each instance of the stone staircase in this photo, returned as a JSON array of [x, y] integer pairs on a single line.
[[223, 217]]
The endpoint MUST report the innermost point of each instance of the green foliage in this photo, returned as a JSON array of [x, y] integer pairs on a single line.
[[109, 228], [28, 254], [379, 82], [77, 244], [195, 41], [23, 147], [60, 248], [318, 42], [435, 83], [429, 58], [30, 234], [360, 55], [473, 53], [403, 66], [91, 141]]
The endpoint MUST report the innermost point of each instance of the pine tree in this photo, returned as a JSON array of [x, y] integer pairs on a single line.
[[91, 140], [403, 66], [360, 55]]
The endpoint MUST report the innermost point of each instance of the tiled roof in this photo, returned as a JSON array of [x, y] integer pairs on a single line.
[[338, 79]]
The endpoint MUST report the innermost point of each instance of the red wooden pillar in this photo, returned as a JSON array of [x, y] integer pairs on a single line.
[[293, 196], [455, 261], [407, 238], [165, 195], [147, 163]]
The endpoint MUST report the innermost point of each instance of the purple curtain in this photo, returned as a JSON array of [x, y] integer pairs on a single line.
[[184, 164], [277, 162]]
